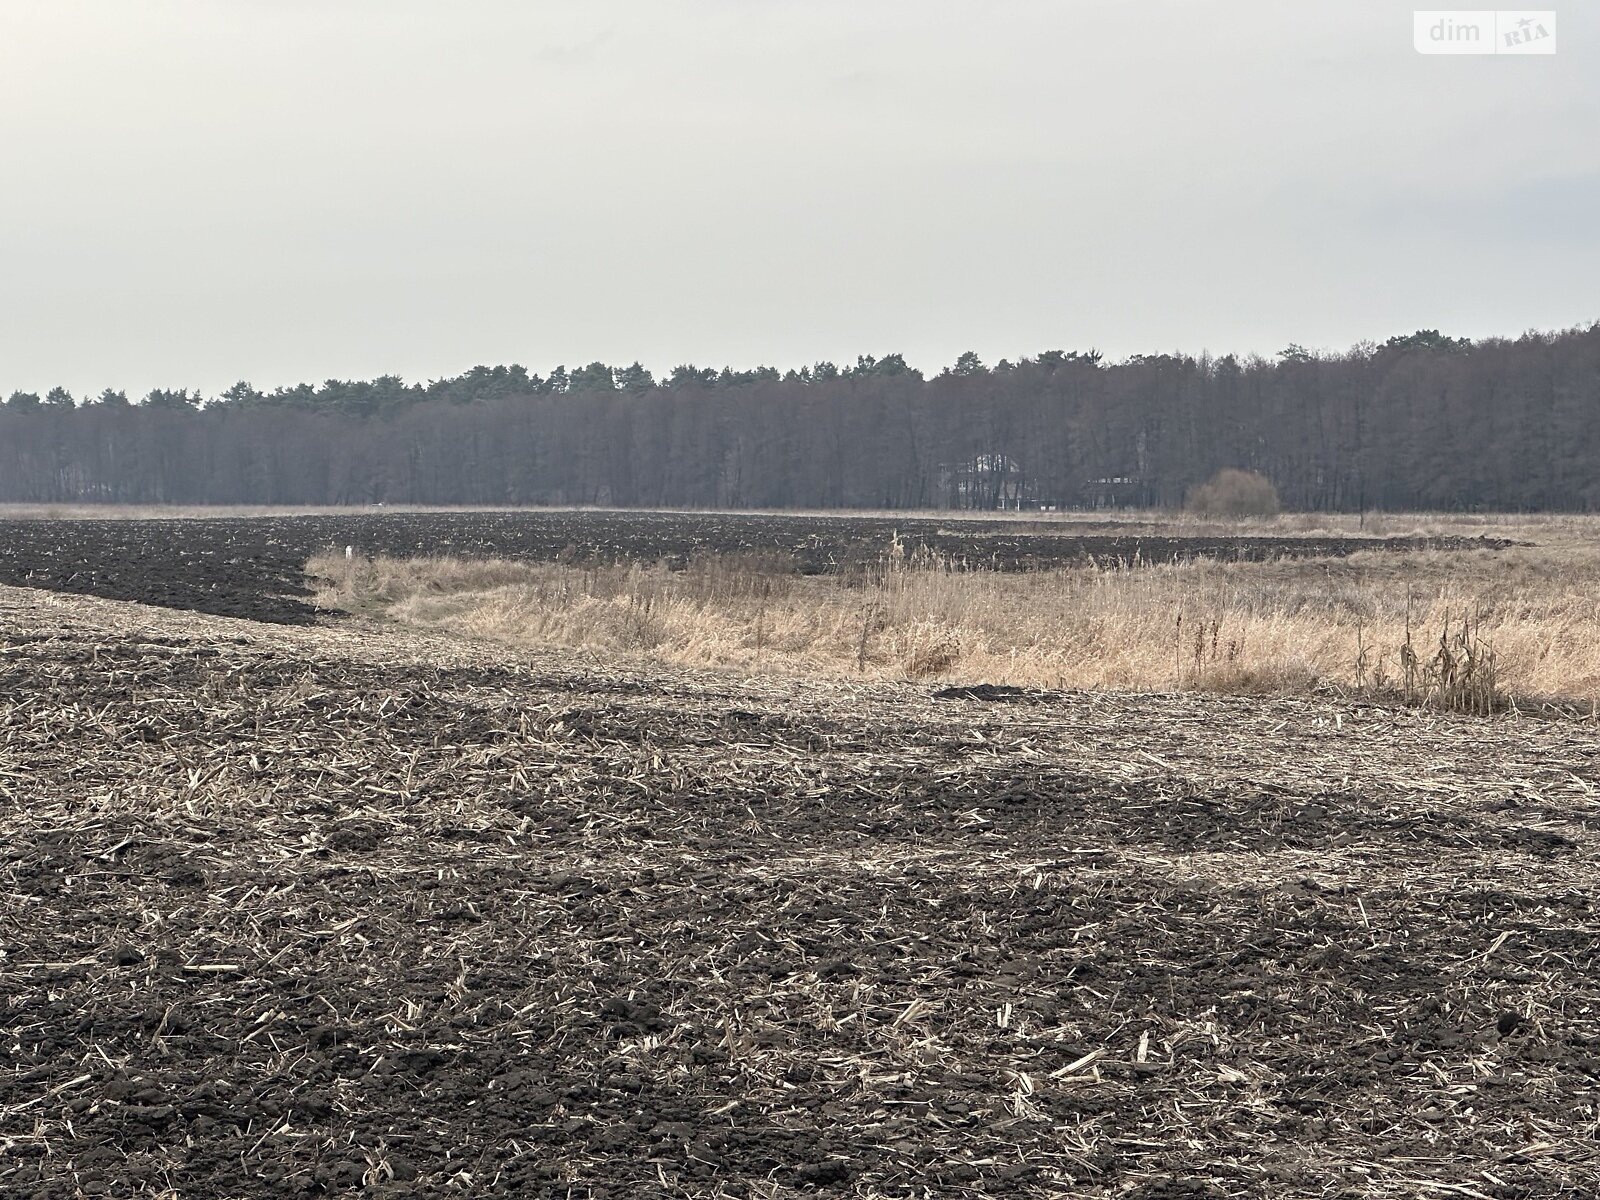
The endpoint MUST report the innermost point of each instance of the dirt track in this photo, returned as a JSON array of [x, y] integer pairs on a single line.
[[297, 911], [252, 566]]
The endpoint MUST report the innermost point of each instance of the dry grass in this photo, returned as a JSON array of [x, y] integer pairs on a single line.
[[1458, 628]]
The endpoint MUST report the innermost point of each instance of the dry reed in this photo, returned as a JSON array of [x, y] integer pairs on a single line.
[[1523, 622]]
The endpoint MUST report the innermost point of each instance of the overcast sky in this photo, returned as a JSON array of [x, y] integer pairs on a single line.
[[198, 191]]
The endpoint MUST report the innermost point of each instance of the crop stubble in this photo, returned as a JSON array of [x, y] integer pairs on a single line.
[[293, 911]]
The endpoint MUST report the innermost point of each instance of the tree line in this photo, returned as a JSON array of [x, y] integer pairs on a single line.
[[1421, 421]]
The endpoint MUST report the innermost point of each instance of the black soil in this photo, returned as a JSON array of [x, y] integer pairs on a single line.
[[278, 922]]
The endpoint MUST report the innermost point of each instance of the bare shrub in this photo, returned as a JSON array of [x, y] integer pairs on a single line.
[[1234, 493]]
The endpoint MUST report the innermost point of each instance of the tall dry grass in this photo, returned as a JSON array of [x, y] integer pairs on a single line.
[[1461, 627]]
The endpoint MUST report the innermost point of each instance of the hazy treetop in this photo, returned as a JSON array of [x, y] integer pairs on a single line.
[[292, 189]]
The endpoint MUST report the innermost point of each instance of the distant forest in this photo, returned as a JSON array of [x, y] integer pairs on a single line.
[[1422, 421]]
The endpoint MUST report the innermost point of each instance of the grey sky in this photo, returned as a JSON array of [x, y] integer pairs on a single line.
[[197, 191]]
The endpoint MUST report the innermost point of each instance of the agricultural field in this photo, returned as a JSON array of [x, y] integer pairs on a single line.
[[315, 903], [254, 566]]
